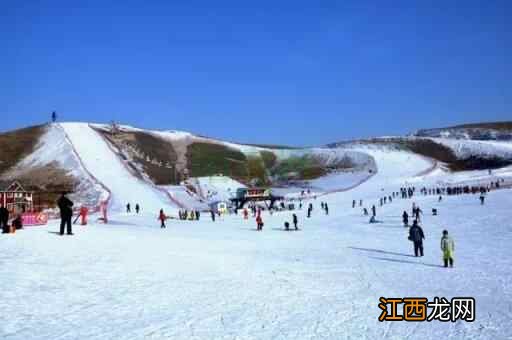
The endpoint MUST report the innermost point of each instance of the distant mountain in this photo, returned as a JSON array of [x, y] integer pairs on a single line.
[[499, 131]]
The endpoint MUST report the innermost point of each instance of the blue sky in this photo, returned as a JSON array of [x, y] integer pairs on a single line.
[[286, 72]]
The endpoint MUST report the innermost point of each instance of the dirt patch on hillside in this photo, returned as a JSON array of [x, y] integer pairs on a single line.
[[17, 144]]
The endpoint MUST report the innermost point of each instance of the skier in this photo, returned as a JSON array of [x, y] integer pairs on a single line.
[[128, 208], [416, 236], [405, 218], [440, 198], [4, 219], [162, 218], [417, 213], [365, 212], [326, 207], [482, 199], [448, 247], [295, 221], [246, 214], [353, 203], [54, 116], [66, 212], [259, 223], [374, 210], [212, 214], [360, 203], [137, 208], [309, 211]]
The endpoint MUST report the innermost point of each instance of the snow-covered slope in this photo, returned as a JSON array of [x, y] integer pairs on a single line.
[[471, 148], [222, 280], [103, 163], [54, 149]]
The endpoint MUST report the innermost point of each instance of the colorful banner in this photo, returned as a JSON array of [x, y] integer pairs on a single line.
[[35, 218]]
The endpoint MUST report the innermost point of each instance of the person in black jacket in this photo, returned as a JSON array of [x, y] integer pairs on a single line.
[[405, 218], [66, 212], [416, 236], [4, 219], [295, 221]]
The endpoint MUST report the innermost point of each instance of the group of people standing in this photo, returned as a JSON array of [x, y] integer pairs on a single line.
[[191, 215], [129, 208]]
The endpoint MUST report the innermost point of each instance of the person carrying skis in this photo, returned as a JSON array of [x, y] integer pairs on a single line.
[[448, 247], [66, 213], [162, 218], [416, 236]]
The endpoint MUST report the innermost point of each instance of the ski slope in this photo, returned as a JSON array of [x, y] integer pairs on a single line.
[[223, 280], [130, 279], [103, 163]]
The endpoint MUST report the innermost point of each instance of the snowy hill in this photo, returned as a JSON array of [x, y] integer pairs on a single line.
[[175, 170], [483, 131]]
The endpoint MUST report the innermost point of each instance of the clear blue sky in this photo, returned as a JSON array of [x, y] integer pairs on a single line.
[[287, 72]]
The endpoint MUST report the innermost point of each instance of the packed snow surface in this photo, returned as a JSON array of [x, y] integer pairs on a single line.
[[223, 280], [130, 279]]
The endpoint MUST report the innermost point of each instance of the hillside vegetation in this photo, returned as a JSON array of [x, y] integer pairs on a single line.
[[15, 145]]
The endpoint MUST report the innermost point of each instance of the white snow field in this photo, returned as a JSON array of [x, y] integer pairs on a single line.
[[101, 161], [130, 279]]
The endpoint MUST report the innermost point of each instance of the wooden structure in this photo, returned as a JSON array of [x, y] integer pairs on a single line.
[[15, 198], [244, 195]]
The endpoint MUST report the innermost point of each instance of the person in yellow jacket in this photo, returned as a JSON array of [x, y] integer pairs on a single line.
[[448, 247]]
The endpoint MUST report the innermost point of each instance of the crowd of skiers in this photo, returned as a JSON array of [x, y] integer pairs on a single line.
[[416, 234]]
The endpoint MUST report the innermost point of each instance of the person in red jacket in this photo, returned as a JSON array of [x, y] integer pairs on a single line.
[[162, 218], [83, 214], [259, 223]]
